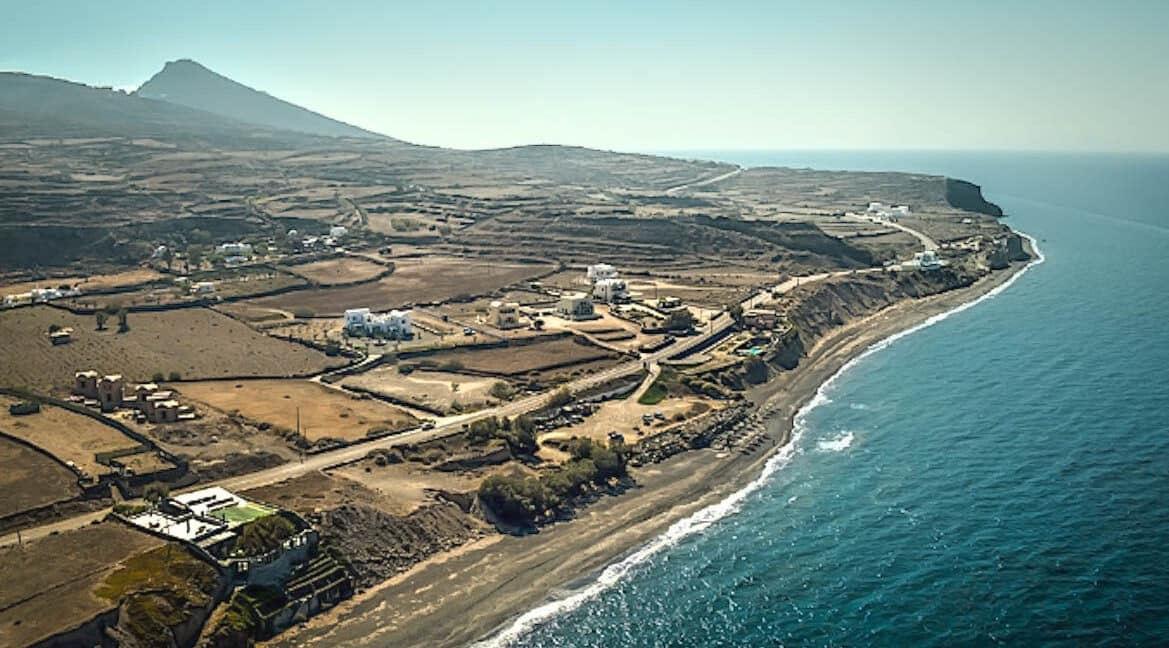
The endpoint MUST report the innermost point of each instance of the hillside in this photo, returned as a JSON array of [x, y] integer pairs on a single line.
[[187, 83], [39, 106]]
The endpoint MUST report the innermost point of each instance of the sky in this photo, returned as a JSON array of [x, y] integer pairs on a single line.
[[653, 75]]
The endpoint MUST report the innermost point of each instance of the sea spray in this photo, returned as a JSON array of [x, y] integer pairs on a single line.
[[705, 518]]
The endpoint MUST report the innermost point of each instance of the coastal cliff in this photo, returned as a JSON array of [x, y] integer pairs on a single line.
[[968, 196]]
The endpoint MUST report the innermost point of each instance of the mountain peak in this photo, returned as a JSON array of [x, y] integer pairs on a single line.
[[189, 83]]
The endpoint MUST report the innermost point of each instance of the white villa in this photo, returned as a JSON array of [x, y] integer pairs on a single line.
[[237, 249], [394, 324], [613, 291], [891, 212], [927, 260], [601, 271], [575, 306]]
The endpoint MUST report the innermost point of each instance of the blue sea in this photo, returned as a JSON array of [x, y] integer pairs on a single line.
[[998, 477]]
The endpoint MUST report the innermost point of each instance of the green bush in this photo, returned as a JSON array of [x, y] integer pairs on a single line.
[[263, 535]]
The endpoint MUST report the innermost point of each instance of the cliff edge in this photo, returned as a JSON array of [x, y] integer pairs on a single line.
[[968, 196]]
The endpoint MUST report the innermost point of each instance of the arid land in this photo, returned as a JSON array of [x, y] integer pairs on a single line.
[[455, 475]]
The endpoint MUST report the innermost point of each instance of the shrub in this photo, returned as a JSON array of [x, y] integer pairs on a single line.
[[174, 376], [560, 398], [502, 390], [157, 377], [263, 535]]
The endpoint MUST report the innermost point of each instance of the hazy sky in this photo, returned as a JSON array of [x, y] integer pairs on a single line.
[[653, 75]]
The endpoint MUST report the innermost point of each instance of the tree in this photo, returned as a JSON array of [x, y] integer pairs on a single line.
[[736, 313], [123, 323], [53, 328], [502, 390], [560, 398], [101, 317], [155, 492]]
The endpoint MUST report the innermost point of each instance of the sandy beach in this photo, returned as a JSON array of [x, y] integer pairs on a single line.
[[475, 591]]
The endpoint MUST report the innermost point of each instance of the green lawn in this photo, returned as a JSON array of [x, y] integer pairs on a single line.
[[242, 514]]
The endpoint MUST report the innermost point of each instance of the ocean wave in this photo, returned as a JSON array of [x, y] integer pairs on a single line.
[[839, 444], [705, 518]]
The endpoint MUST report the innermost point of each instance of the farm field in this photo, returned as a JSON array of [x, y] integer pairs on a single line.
[[519, 359], [195, 342], [324, 413], [29, 479], [421, 280], [91, 283], [338, 271], [50, 583], [66, 435], [434, 389]]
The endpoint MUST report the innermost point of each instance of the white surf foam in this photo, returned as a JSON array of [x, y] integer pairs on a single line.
[[839, 444], [706, 517]]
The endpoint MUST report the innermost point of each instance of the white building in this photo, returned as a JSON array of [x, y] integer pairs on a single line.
[[891, 212], [202, 288], [927, 260], [234, 249], [505, 315], [612, 291], [337, 231], [601, 271], [575, 306], [394, 324]]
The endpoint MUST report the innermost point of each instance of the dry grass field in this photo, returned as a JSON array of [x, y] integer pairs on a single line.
[[29, 479], [338, 271], [324, 412], [49, 584], [419, 280], [91, 283], [519, 359], [436, 389], [195, 342], [66, 435]]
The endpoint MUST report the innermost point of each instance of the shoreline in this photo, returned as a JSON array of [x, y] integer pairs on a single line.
[[493, 590]]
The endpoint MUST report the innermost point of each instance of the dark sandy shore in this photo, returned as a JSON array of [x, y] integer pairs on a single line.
[[468, 594]]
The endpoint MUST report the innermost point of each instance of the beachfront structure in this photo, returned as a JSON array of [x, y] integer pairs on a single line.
[[601, 271], [236, 249], [394, 324], [504, 315], [575, 306], [612, 291]]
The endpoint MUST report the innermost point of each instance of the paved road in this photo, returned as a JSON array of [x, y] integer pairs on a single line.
[[700, 183], [448, 426], [928, 242]]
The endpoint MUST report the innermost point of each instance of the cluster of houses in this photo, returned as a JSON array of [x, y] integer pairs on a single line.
[[333, 239], [40, 295], [396, 324], [108, 393]]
